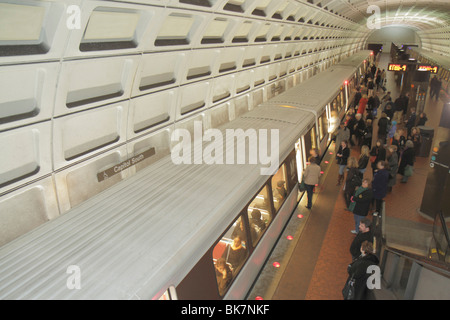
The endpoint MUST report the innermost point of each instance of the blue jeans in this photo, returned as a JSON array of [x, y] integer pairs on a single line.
[[342, 168], [309, 193], [357, 221]]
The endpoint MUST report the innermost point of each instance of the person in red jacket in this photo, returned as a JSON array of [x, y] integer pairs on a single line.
[[362, 104]]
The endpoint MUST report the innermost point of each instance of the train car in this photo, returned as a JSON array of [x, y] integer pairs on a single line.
[[327, 96], [170, 230]]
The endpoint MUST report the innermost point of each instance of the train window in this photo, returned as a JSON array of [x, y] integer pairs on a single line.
[[334, 106], [291, 166], [259, 214], [229, 254], [313, 137], [321, 127], [279, 187]]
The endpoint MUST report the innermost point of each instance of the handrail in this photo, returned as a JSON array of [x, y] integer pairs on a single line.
[[433, 265], [436, 266]]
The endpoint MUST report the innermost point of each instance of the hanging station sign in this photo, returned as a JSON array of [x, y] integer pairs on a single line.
[[397, 67], [427, 67]]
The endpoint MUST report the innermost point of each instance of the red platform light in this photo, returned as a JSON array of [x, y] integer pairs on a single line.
[[289, 237], [300, 216], [276, 264], [326, 161], [259, 298], [331, 152], [321, 172]]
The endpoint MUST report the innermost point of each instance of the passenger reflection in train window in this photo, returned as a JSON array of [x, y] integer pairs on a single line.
[[223, 275], [257, 225], [239, 230], [235, 253], [279, 194]]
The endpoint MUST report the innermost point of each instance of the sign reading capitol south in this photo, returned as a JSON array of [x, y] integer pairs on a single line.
[[209, 148], [105, 174]]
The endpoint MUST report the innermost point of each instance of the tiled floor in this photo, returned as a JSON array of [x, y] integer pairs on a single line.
[[322, 274]]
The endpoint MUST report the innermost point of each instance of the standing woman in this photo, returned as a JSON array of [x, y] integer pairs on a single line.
[[392, 158], [378, 153], [407, 159], [358, 269], [380, 184], [363, 160], [368, 134], [353, 180], [416, 139], [343, 133], [311, 176], [360, 203], [342, 156]]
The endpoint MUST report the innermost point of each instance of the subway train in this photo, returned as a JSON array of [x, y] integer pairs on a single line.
[[187, 227]]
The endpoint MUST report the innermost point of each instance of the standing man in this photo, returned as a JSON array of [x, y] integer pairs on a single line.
[[311, 176], [364, 234]]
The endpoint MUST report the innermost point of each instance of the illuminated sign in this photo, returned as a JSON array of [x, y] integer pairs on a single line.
[[432, 69], [396, 67]]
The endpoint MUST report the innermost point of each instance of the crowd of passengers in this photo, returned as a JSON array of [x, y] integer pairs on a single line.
[[397, 143]]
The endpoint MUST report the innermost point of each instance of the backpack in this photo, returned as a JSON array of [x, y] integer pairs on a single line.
[[356, 179]]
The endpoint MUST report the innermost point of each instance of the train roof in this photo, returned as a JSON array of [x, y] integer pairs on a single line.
[[138, 237], [439, 59], [316, 92]]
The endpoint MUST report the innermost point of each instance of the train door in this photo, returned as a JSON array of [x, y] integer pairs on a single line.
[[323, 131], [310, 142], [300, 157]]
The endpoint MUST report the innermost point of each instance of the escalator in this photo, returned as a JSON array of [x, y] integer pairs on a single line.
[[406, 275]]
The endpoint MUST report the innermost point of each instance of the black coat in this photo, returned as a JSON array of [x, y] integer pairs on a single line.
[[352, 181], [408, 157], [358, 269], [355, 247], [380, 183], [380, 153], [362, 203], [383, 124], [345, 154], [362, 162]]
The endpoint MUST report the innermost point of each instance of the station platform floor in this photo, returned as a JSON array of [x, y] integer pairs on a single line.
[[313, 264]]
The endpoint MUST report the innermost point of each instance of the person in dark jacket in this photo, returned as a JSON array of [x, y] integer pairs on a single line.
[[353, 179], [367, 135], [416, 138], [357, 97], [360, 203], [363, 160], [235, 253], [365, 233], [422, 119], [392, 159], [358, 269], [380, 184], [410, 123], [379, 152], [360, 128], [351, 123], [407, 158], [342, 156], [389, 109], [398, 109], [223, 275], [383, 125]]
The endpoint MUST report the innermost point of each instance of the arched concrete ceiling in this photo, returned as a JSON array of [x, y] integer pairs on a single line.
[[430, 19]]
